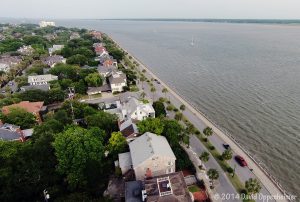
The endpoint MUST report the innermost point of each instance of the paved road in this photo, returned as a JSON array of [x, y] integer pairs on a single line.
[[223, 185]]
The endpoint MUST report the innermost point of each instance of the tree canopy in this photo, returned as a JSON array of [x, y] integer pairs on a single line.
[[153, 125], [19, 117], [74, 148]]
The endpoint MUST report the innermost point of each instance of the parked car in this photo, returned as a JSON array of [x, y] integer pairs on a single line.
[[241, 161], [226, 146]]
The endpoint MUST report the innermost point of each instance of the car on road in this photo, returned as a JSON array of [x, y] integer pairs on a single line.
[[241, 161], [226, 146]]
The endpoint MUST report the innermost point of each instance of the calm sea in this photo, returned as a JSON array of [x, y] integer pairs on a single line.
[[246, 77]]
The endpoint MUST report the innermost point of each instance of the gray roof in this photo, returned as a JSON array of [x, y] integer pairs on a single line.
[[117, 77], [148, 145], [44, 87], [133, 191], [42, 78], [7, 135]]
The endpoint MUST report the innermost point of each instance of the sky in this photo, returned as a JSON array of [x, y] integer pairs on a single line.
[[108, 9]]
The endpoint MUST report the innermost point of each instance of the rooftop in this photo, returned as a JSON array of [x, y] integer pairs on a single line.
[[31, 107], [148, 145], [165, 188]]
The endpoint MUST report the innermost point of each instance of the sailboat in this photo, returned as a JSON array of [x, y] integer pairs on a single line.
[[192, 42]]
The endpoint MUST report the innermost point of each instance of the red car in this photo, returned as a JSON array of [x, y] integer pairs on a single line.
[[241, 161]]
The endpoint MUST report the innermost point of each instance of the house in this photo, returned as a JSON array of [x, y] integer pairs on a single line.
[[128, 129], [43, 87], [36, 108], [117, 81], [46, 24], [106, 71], [55, 48], [7, 62], [96, 34], [2, 37], [26, 50], [51, 61], [50, 37], [137, 110], [164, 188], [41, 79], [150, 155], [106, 60], [10, 132], [98, 90], [74, 35]]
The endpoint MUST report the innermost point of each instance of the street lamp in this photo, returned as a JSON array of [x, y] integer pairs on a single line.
[[46, 195]]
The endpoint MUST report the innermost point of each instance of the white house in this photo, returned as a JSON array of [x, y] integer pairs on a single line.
[[137, 110], [46, 24], [41, 79], [117, 81], [26, 50], [150, 155], [4, 67], [55, 48], [54, 60]]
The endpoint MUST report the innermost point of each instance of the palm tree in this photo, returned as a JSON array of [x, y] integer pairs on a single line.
[[208, 131], [213, 174], [182, 107], [178, 116], [204, 156], [142, 79], [143, 95], [153, 90], [165, 90], [227, 154], [252, 186]]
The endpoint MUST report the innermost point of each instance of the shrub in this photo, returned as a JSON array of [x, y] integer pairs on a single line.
[[211, 147], [170, 107], [175, 109], [230, 170], [197, 132]]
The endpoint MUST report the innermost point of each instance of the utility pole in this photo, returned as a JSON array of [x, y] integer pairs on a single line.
[[71, 97]]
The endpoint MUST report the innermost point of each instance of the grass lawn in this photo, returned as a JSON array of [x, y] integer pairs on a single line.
[[193, 188]]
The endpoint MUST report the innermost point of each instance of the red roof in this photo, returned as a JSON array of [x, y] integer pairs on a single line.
[[31, 107]]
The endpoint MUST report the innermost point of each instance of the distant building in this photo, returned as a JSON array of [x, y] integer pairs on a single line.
[[74, 35], [128, 129], [43, 87], [7, 62], [51, 61], [150, 155], [98, 90], [96, 34], [163, 188], [55, 48], [106, 71], [41, 79], [26, 50], [32, 107], [46, 24], [137, 110], [117, 81]]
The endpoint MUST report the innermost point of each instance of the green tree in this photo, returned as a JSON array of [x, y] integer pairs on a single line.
[[117, 143], [204, 156], [165, 91], [153, 90], [252, 186], [227, 154], [74, 148], [94, 80], [63, 117], [208, 131], [103, 120], [159, 108], [173, 131], [77, 59], [178, 116], [182, 107], [153, 125], [213, 175], [19, 117], [142, 80]]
